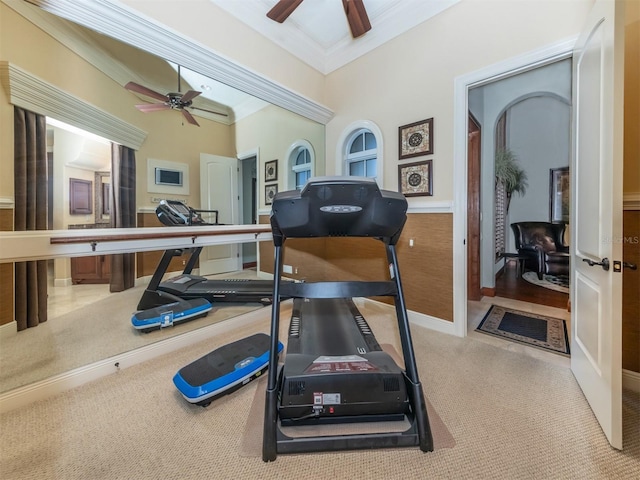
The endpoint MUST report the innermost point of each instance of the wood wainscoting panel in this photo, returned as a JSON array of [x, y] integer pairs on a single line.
[[426, 268], [6, 273], [631, 292], [147, 262]]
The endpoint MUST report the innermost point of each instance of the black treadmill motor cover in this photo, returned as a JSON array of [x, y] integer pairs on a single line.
[[338, 207]]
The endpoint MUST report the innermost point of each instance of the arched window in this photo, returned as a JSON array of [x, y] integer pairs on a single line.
[[362, 154], [301, 159], [359, 151]]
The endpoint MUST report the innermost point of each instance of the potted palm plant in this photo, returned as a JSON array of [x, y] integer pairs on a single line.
[[509, 175]]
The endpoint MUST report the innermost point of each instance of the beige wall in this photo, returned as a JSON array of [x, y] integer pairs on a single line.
[[273, 130], [411, 78]]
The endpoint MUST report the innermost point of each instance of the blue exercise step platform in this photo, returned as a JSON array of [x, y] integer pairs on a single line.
[[224, 370], [170, 314]]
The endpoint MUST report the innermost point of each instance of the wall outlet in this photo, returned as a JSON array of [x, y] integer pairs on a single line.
[[287, 269]]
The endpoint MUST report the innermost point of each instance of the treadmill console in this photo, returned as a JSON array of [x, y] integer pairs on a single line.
[[175, 213], [338, 207]]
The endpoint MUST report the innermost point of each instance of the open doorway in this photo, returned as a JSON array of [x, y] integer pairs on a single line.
[[524, 118], [249, 206]]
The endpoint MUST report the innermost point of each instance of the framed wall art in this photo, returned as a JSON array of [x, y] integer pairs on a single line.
[[271, 171], [416, 139], [270, 192], [416, 179], [559, 195]]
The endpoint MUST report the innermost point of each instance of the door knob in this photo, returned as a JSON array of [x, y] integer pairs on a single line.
[[604, 263], [629, 265]]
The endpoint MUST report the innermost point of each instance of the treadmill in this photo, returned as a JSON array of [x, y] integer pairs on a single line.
[[187, 286], [334, 371]]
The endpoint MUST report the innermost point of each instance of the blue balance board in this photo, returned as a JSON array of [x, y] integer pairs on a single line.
[[225, 369], [170, 314]]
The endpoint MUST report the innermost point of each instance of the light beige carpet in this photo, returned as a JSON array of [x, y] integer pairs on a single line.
[[512, 417]]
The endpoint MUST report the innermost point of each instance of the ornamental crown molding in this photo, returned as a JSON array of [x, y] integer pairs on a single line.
[[35, 94]]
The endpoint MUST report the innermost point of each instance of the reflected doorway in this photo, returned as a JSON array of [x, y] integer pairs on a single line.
[[249, 206]]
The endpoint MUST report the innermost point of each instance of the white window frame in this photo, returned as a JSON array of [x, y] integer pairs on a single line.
[[342, 148], [292, 154]]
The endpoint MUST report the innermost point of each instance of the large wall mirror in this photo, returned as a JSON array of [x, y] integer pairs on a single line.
[[86, 323]]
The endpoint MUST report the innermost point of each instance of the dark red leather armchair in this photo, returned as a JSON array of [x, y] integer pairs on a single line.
[[542, 246]]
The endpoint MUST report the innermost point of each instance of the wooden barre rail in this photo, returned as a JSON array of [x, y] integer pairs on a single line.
[[47, 244], [154, 236]]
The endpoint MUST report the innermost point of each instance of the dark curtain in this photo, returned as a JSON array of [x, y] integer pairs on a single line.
[[123, 213], [30, 213]]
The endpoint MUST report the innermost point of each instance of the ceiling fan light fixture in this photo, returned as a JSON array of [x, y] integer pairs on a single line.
[[281, 10], [189, 118], [170, 101], [355, 11], [357, 17]]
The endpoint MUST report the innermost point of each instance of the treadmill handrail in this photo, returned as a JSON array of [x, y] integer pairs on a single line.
[[341, 289]]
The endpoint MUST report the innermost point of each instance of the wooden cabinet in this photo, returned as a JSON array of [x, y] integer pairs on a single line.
[[91, 269]]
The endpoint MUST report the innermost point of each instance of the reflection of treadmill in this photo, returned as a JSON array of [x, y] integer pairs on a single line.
[[334, 370], [187, 286]]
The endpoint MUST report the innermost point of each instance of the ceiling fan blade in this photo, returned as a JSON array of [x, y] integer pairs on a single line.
[[357, 17], [209, 111], [189, 118], [134, 87], [187, 97], [152, 107], [281, 11]]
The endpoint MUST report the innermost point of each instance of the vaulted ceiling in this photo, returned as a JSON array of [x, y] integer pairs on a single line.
[[318, 33]]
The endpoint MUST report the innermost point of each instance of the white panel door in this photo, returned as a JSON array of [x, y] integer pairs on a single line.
[[596, 319], [219, 191]]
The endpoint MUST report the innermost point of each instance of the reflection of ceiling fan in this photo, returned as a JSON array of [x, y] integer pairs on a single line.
[[353, 9], [170, 101]]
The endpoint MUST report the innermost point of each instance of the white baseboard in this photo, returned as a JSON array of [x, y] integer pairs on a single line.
[[74, 378], [62, 282], [8, 330], [420, 319], [631, 380]]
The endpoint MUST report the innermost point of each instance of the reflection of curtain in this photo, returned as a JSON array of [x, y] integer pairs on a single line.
[[30, 190], [123, 212]]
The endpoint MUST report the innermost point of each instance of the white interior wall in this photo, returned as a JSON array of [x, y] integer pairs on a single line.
[[539, 134]]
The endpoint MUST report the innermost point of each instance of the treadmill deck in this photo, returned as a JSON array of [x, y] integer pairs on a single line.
[[335, 370]]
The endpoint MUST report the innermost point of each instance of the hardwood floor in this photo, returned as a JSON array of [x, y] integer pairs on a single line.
[[508, 285]]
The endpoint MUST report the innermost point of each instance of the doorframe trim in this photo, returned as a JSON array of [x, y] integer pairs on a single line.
[[512, 66]]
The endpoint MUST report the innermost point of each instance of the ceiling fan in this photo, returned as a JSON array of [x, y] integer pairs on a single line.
[[353, 9], [170, 101]]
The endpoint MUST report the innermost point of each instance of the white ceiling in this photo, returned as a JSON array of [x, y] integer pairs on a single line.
[[317, 32]]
